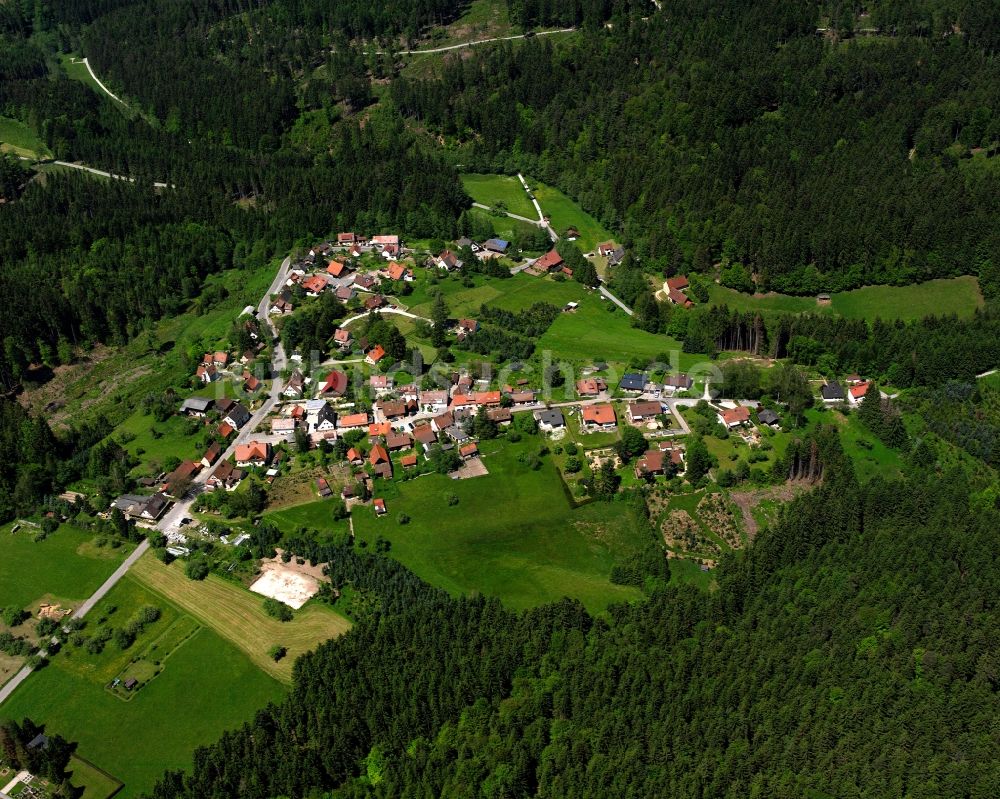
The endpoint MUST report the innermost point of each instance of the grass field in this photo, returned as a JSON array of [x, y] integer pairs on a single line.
[[511, 534], [54, 566], [491, 189], [316, 515], [95, 783], [178, 437], [958, 295], [209, 686], [18, 138], [504, 226], [564, 212], [237, 615]]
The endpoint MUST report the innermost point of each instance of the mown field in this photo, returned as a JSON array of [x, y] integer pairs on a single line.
[[237, 615], [94, 783], [511, 534], [65, 565], [492, 189], [207, 687], [19, 139], [564, 212], [958, 296]]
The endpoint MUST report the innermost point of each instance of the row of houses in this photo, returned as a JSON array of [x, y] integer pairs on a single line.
[[833, 392]]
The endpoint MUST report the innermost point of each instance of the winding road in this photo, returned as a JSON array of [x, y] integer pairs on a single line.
[[479, 42], [97, 80]]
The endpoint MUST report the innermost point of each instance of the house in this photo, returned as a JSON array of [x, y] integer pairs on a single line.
[[650, 464], [571, 234], [365, 282], [355, 251], [678, 283], [550, 262], [443, 421], [522, 397], [337, 268], [857, 393], [590, 387], [314, 285], [617, 256], [180, 477], [381, 242], [433, 401], [380, 509], [456, 434], [281, 306], [376, 429], [346, 239], [342, 338], [463, 242], [734, 417], [225, 430], [448, 261], [380, 384], [462, 401], [466, 327], [323, 488], [154, 507], [374, 355], [605, 248], [424, 434], [602, 416], [207, 374], [677, 298], [378, 458], [408, 461], [326, 419], [211, 454], [335, 383], [768, 417], [397, 441], [352, 421], [295, 386], [633, 382], [224, 476], [283, 426], [644, 410], [197, 406], [396, 271], [374, 302], [550, 419], [498, 246], [832, 393], [237, 416], [220, 358], [491, 399], [344, 293], [253, 453], [672, 383], [298, 413], [250, 383], [470, 450], [354, 457], [500, 415], [392, 410], [853, 379]]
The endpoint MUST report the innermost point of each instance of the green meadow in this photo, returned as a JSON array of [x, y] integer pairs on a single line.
[[563, 212], [19, 139], [511, 534], [507, 189]]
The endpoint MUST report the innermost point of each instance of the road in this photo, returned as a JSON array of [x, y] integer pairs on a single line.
[[396, 311], [98, 81], [158, 184], [541, 217], [171, 520], [85, 608], [615, 300], [478, 42], [534, 222]]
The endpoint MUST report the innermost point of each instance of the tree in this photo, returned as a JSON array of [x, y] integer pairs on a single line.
[[439, 316], [483, 427], [277, 652], [631, 444], [196, 569], [698, 459], [277, 610]]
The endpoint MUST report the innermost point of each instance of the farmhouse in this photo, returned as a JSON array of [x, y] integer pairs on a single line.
[[392, 410], [211, 454], [207, 374], [491, 399], [605, 248], [642, 411], [433, 401], [397, 441], [448, 261], [601, 416], [346, 239], [254, 453], [768, 417], [521, 398], [196, 406], [282, 426], [353, 421], [677, 298], [381, 242], [443, 421], [617, 256], [678, 283], [224, 476], [326, 419], [552, 261], [178, 479], [500, 415], [425, 435], [734, 417], [498, 246], [466, 327]]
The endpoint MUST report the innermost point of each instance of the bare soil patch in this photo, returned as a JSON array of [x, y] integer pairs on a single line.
[[471, 468], [300, 487], [746, 501]]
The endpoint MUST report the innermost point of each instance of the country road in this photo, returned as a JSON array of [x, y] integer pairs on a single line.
[[512, 216], [615, 300], [112, 175], [85, 608], [396, 311], [478, 42], [99, 82]]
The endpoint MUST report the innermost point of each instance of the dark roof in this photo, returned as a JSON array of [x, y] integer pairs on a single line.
[[238, 415], [551, 417], [633, 381], [326, 414], [197, 404], [38, 742], [767, 416], [832, 391]]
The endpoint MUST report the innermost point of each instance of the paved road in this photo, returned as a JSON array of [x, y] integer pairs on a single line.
[[615, 300], [158, 184], [553, 236], [98, 81], [534, 222], [81, 611]]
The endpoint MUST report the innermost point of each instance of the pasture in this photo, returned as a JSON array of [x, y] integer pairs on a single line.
[[238, 616], [19, 139], [64, 565], [563, 212], [959, 295], [208, 686], [511, 534], [492, 189]]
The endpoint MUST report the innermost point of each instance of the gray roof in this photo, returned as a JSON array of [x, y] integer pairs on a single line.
[[551, 417], [456, 433], [767, 416], [633, 381], [126, 501], [197, 404], [238, 415], [832, 391]]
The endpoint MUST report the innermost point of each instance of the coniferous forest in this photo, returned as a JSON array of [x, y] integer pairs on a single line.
[[852, 650]]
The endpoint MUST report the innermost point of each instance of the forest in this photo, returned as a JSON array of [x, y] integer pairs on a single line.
[[864, 602]]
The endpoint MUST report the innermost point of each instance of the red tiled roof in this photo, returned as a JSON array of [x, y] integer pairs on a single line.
[[353, 420], [677, 283], [551, 260], [736, 415], [599, 414], [376, 354], [859, 391]]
